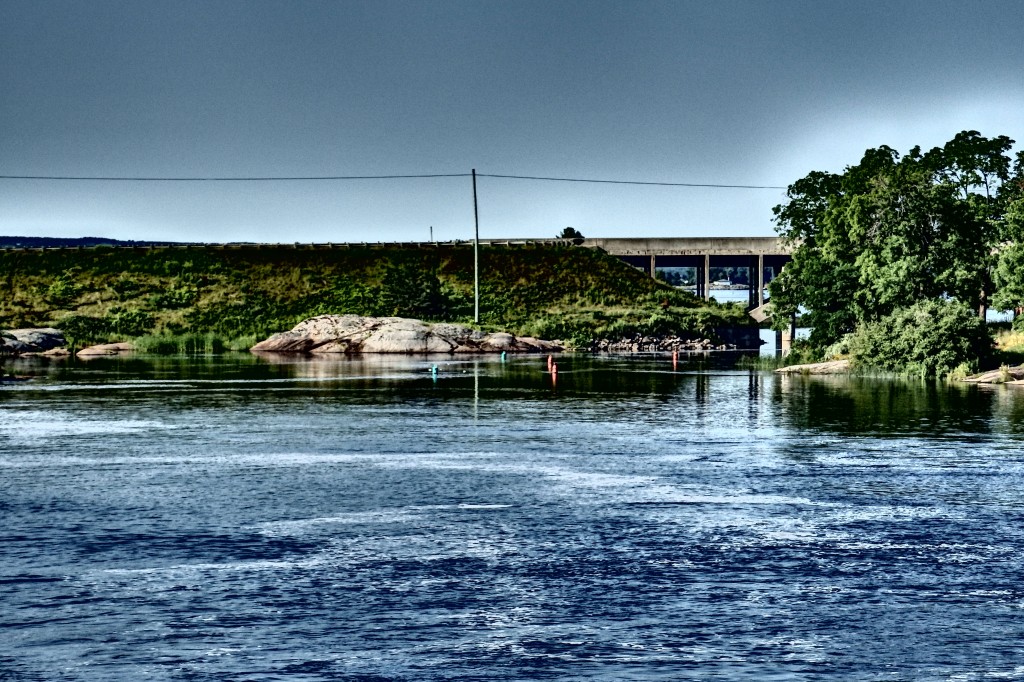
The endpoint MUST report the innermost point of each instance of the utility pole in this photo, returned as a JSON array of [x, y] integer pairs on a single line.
[[476, 256]]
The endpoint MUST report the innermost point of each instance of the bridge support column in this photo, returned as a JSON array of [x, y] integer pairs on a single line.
[[707, 277], [784, 339], [760, 279], [654, 273], [755, 281]]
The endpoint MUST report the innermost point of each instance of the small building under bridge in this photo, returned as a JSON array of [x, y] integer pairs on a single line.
[[762, 257]]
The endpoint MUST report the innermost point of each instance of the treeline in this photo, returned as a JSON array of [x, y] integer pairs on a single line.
[[8, 242], [897, 258], [549, 291]]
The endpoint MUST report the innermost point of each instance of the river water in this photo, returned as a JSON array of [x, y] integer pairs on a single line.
[[234, 518]]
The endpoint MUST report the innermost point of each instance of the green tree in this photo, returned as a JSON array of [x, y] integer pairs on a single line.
[[889, 232], [570, 233], [1008, 276]]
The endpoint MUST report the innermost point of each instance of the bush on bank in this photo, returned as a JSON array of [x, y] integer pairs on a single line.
[[929, 338]]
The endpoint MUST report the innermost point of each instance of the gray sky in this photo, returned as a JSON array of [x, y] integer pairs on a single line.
[[731, 92]]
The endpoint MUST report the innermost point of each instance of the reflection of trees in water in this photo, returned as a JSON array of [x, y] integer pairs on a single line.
[[1008, 406], [853, 405]]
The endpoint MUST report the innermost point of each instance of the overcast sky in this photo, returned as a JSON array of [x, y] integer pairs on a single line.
[[741, 92]]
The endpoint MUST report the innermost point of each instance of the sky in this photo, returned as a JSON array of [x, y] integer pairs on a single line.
[[733, 92]]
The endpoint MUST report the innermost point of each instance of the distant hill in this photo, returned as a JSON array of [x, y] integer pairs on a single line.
[[64, 242]]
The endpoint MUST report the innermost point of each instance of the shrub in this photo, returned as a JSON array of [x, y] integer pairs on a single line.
[[83, 329], [63, 290], [929, 338], [128, 323], [408, 290], [125, 287]]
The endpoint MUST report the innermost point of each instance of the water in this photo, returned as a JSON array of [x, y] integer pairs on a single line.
[[238, 519]]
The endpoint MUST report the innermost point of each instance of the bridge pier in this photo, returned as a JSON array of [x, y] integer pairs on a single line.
[[755, 281], [784, 339], [706, 279]]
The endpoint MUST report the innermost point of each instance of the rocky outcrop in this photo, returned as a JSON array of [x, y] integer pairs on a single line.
[[1003, 375], [830, 367], [358, 334], [105, 349], [31, 340]]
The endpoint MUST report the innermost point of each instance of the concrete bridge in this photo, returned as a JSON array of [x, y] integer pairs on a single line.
[[762, 256]]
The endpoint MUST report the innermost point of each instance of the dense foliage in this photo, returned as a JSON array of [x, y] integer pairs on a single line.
[[572, 293], [892, 232], [929, 338]]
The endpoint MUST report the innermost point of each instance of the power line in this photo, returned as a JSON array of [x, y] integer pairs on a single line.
[[629, 182], [230, 179], [314, 178]]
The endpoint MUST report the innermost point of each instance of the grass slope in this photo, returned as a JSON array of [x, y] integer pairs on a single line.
[[244, 292]]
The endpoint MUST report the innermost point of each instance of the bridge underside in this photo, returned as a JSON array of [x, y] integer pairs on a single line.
[[760, 257]]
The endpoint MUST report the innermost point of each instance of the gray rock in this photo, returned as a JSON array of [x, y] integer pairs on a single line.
[[31, 340], [355, 334], [830, 367]]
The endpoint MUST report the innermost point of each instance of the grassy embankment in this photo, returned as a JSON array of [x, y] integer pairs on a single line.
[[208, 299]]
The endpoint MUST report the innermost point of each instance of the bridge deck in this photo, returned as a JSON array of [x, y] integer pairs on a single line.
[[691, 246]]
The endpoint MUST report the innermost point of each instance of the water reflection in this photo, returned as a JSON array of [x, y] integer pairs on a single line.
[[703, 388], [857, 405]]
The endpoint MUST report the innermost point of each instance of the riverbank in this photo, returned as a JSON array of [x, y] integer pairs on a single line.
[[240, 294]]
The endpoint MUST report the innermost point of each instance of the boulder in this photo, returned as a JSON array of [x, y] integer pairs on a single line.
[[31, 340], [830, 367], [356, 334], [105, 349], [1003, 375]]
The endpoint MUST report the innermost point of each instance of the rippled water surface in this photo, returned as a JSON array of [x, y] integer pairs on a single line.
[[242, 519]]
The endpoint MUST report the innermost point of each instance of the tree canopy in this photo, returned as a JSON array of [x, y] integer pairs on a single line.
[[893, 230]]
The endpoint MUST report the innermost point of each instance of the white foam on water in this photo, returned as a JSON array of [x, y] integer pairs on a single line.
[[748, 499], [593, 479], [298, 526], [850, 514], [26, 426]]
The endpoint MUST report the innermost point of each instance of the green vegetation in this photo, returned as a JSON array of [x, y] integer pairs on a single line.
[[894, 240], [205, 299], [929, 338]]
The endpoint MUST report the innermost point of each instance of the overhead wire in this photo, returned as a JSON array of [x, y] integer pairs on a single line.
[[628, 182], [313, 178], [229, 179]]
